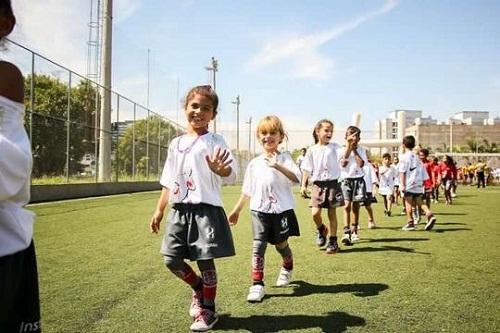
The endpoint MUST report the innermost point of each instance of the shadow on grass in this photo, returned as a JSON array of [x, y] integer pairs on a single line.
[[441, 230], [389, 240], [381, 249], [302, 288], [334, 322], [390, 228], [449, 214]]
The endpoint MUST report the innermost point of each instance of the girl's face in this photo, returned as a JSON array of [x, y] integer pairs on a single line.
[[199, 112], [325, 133], [270, 140], [396, 160], [386, 161]]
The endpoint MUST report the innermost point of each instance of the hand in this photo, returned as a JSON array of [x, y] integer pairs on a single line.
[[154, 224], [219, 163], [271, 160], [233, 218], [303, 192]]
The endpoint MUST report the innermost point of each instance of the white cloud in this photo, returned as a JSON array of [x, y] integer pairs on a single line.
[[303, 51], [59, 29]]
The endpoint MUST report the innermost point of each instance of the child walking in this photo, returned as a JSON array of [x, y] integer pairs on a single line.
[[19, 295], [268, 184], [412, 175], [353, 158], [321, 169], [197, 228], [387, 176]]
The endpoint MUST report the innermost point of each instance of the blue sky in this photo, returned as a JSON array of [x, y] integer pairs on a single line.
[[301, 60]]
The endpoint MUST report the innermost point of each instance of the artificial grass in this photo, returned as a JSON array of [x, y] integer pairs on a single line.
[[100, 271]]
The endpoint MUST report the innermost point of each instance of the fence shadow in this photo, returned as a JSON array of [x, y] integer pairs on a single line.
[[441, 230], [331, 322], [381, 249]]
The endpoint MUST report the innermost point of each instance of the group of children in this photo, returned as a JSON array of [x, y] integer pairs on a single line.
[[198, 163]]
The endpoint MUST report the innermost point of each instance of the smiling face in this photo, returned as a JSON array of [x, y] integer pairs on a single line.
[[270, 140], [199, 112], [324, 133]]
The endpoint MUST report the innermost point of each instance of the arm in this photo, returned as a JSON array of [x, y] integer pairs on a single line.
[[358, 158], [219, 163], [235, 213], [303, 186], [273, 163], [154, 224]]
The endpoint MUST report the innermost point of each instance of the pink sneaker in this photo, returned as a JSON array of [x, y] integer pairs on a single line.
[[195, 308], [205, 320]]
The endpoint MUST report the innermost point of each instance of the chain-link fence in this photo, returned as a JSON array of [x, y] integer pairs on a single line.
[[63, 123]]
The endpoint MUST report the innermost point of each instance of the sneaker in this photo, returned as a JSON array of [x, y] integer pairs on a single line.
[[333, 246], [354, 237], [321, 237], [389, 213], [196, 300], [430, 223], [408, 227], [204, 321], [284, 277], [346, 239], [256, 293], [371, 225]]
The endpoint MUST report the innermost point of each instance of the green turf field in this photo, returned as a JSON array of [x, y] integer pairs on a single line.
[[100, 271]]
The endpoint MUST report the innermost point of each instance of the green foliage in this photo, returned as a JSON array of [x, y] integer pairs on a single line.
[[49, 123], [159, 132], [100, 271]]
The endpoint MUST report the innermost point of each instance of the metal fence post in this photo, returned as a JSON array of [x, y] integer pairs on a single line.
[[68, 129]]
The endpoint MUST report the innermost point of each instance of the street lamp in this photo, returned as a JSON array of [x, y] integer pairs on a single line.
[[214, 68], [237, 102], [249, 122]]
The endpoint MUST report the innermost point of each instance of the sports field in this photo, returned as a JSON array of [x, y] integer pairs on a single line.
[[100, 271]]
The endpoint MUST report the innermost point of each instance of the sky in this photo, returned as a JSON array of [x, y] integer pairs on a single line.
[[300, 60]]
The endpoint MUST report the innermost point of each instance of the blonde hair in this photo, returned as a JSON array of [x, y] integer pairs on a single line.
[[271, 124]]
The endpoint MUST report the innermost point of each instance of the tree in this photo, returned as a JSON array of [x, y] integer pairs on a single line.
[[136, 137], [49, 123]]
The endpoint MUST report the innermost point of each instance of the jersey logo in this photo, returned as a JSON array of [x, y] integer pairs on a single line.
[[210, 234], [411, 169]]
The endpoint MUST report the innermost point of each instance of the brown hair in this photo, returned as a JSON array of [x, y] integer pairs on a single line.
[[318, 126], [205, 91], [6, 11], [271, 124]]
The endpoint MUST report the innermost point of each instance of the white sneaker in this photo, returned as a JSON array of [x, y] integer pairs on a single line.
[[408, 227], [204, 321], [284, 277], [354, 237], [256, 293]]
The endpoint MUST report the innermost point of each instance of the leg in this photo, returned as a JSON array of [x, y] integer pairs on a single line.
[[408, 203], [322, 231], [256, 292], [207, 317], [346, 239], [332, 218], [285, 274]]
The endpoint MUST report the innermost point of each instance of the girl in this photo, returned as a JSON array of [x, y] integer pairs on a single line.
[[353, 159], [268, 183], [19, 297], [388, 175], [397, 193], [197, 227], [322, 167], [447, 171]]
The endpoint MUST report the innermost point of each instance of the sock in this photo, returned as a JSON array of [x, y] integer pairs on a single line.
[[183, 271], [209, 289], [259, 250], [286, 254]]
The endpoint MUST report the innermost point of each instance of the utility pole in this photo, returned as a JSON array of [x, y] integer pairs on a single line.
[[451, 135], [214, 68], [105, 124], [237, 102], [249, 122]]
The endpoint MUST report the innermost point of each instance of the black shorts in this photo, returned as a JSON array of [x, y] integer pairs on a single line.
[[326, 194], [413, 195], [19, 297], [274, 228], [369, 199], [354, 189]]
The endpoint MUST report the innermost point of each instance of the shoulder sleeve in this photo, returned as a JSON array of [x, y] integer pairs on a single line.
[[247, 188], [167, 176]]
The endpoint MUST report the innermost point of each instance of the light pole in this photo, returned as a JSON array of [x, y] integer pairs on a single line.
[[237, 102], [249, 122], [214, 68]]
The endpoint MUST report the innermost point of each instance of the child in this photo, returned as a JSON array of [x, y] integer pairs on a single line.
[[322, 167], [371, 180], [197, 227], [387, 176], [19, 296], [397, 192], [447, 174], [353, 159], [429, 183], [268, 183], [412, 176], [437, 179]]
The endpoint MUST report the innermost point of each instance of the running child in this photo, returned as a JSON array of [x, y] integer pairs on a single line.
[[371, 181], [388, 174], [412, 175], [447, 173], [321, 169], [397, 192], [268, 184], [19, 294], [197, 228], [423, 154], [352, 160]]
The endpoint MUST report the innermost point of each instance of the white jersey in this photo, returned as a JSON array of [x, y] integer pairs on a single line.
[[370, 177], [413, 168], [396, 167], [16, 222], [270, 191], [322, 162], [352, 170], [388, 176], [186, 173]]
